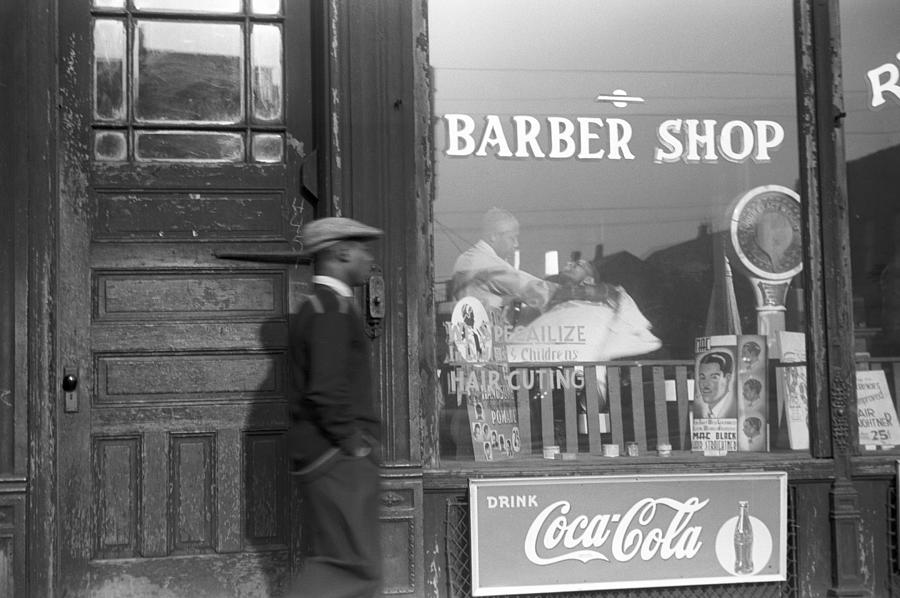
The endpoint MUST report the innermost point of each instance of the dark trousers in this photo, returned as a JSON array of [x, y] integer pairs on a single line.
[[341, 506]]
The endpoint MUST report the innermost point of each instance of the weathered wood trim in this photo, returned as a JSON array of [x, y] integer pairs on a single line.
[[810, 194], [40, 98], [832, 346], [420, 280], [11, 187], [835, 229], [402, 517], [373, 157], [422, 287], [13, 581]]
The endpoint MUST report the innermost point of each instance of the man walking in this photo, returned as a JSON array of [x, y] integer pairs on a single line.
[[333, 439]]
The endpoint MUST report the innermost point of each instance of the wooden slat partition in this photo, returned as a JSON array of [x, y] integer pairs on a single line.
[[681, 396], [593, 409], [614, 390], [524, 407], [547, 433], [642, 401], [638, 418], [659, 402], [571, 415]]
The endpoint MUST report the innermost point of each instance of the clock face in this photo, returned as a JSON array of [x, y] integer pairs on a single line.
[[765, 232]]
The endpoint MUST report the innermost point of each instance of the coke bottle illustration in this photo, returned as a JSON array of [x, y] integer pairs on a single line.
[[743, 540]]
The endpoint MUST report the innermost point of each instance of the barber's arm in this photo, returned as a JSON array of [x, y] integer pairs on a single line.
[[521, 286], [597, 293]]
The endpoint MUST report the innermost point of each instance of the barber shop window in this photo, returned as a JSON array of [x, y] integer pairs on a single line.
[[617, 235], [199, 82], [871, 77]]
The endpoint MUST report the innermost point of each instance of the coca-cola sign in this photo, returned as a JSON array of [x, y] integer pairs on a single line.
[[556, 534]]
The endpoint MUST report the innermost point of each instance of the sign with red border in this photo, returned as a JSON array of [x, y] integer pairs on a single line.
[[561, 534]]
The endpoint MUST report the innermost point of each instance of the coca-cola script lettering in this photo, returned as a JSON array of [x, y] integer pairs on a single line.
[[651, 527]]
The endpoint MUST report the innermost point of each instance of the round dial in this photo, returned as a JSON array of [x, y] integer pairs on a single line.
[[765, 232]]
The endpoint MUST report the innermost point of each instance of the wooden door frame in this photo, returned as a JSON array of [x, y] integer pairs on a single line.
[[38, 208]]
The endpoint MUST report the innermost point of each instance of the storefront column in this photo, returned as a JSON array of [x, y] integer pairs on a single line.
[[834, 354], [845, 540]]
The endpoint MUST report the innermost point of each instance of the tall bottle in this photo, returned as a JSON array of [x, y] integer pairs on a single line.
[[743, 540]]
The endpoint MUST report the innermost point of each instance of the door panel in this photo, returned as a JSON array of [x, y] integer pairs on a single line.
[[172, 465]]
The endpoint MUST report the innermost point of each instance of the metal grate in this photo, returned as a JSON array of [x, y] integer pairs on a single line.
[[459, 570], [893, 540]]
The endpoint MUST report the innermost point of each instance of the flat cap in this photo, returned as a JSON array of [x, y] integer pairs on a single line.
[[325, 232]]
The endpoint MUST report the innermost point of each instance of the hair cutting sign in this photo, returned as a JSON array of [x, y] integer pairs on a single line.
[[560, 534]]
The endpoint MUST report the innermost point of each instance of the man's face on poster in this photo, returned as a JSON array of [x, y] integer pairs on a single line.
[[749, 354], [712, 382], [750, 430]]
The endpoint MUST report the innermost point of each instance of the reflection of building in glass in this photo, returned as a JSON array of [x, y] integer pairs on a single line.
[[872, 183], [266, 92]]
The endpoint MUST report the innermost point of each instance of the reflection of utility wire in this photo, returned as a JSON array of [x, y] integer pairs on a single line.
[[614, 71], [581, 98], [450, 233], [594, 209], [733, 115], [890, 132], [543, 226]]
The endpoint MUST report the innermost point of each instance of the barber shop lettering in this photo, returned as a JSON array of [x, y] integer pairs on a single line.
[[636, 533], [588, 138]]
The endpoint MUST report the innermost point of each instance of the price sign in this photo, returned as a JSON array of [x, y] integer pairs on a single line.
[[877, 414]]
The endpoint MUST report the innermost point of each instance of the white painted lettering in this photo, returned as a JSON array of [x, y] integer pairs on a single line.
[[561, 130], [697, 138], [527, 129], [765, 142], [619, 136], [744, 139], [493, 136], [459, 134], [883, 80], [671, 149], [584, 126]]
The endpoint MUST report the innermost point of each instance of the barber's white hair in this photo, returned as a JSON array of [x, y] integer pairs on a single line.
[[496, 220]]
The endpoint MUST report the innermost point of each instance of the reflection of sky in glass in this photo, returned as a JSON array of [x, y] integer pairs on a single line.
[[870, 38], [109, 68], [710, 59], [191, 38], [266, 7], [207, 6], [265, 54]]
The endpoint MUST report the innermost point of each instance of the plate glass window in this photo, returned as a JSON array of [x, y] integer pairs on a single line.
[[870, 42], [607, 215]]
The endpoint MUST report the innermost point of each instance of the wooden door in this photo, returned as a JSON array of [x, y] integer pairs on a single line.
[[184, 125]]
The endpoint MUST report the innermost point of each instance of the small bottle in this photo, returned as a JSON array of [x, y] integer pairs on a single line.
[[743, 540]]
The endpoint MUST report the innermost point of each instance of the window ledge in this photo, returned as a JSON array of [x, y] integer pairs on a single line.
[[453, 474]]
